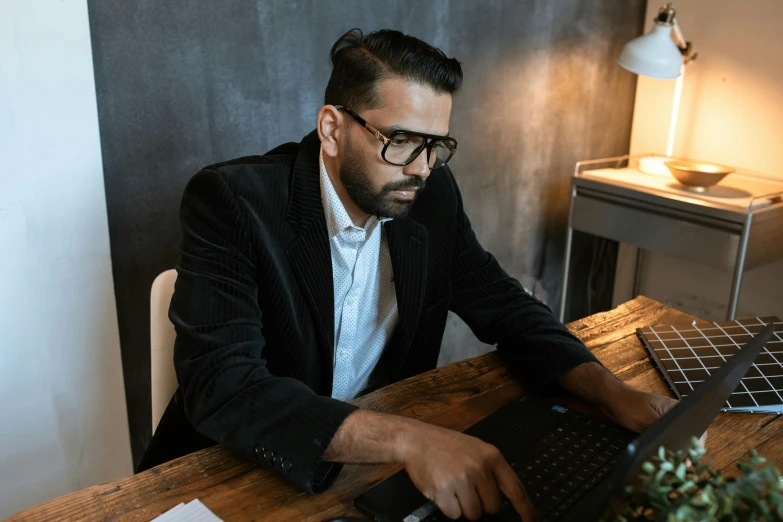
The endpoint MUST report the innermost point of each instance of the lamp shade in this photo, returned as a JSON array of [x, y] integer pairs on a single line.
[[654, 54]]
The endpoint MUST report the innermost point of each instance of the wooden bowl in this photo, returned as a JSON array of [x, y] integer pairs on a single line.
[[697, 175]]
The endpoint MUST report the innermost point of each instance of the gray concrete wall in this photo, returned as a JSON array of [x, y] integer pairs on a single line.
[[183, 84]]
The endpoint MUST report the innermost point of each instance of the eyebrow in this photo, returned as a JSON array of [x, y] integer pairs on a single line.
[[388, 131]]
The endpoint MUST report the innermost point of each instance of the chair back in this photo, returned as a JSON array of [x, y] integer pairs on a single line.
[[162, 335]]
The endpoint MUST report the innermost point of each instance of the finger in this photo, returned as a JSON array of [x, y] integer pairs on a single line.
[[448, 504], [664, 404], [512, 487], [469, 501], [489, 495]]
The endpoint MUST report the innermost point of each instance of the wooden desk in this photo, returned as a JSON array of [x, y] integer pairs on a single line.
[[455, 396]]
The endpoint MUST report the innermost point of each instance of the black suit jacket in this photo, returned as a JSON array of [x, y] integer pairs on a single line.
[[253, 311]]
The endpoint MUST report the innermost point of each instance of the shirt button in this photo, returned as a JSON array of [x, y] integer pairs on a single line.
[[344, 353], [350, 301]]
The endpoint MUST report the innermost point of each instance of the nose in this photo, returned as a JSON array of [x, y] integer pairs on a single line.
[[418, 167]]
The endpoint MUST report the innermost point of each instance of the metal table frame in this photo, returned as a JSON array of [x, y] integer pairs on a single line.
[[680, 225]]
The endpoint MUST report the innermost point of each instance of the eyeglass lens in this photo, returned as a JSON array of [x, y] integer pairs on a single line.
[[404, 148]]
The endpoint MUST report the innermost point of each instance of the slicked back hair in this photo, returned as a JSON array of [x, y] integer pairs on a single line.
[[360, 62]]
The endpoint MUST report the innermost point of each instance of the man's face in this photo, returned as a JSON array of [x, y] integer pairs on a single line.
[[374, 185]]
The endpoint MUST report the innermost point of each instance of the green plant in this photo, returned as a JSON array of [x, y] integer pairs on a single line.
[[670, 489]]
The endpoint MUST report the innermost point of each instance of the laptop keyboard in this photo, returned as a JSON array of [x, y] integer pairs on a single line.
[[566, 463], [563, 465]]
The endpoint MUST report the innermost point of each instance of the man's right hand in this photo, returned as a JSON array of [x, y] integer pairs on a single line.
[[463, 475]]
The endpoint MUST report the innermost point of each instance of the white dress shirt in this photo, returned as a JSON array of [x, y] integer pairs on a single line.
[[365, 303]]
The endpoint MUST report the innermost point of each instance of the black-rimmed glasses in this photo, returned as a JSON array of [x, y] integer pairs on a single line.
[[403, 146]]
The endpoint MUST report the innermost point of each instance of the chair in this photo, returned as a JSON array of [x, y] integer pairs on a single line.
[[162, 335]]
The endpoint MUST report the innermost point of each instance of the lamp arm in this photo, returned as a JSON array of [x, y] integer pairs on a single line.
[[667, 15], [686, 48]]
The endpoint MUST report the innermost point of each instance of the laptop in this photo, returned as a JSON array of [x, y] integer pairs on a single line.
[[572, 464]]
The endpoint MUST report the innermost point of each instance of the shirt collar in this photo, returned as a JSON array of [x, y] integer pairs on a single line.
[[337, 218]]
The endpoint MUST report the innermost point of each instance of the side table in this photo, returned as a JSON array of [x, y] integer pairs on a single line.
[[736, 225]]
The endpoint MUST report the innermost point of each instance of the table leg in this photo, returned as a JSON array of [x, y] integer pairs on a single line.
[[739, 266], [637, 272], [567, 260]]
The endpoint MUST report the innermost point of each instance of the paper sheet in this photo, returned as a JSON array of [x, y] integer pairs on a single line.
[[193, 511]]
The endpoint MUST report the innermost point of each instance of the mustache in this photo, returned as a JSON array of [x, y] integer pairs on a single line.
[[408, 184]]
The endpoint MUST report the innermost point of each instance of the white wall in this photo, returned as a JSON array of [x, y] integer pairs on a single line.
[[63, 423], [731, 113]]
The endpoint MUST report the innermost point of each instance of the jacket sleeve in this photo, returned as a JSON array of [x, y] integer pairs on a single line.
[[226, 389], [500, 312]]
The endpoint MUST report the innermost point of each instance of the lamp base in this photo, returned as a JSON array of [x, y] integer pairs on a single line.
[[654, 165]]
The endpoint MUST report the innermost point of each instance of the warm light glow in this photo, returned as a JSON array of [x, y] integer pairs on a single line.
[[675, 113], [654, 165]]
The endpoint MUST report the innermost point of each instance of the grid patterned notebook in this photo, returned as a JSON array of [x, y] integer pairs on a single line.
[[686, 354]]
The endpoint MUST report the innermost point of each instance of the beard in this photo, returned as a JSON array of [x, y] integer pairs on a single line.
[[360, 189]]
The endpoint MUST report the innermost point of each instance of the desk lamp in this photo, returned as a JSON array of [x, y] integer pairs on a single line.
[[662, 53]]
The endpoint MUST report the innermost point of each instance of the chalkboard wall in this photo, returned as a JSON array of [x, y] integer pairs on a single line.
[[183, 84]]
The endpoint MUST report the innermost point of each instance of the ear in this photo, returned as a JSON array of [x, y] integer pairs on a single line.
[[330, 129]]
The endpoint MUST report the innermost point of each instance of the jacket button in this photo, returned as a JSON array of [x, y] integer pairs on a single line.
[[259, 449], [286, 465], [268, 454], [278, 460]]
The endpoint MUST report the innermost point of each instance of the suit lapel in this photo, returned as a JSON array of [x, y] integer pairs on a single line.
[[408, 243], [309, 254]]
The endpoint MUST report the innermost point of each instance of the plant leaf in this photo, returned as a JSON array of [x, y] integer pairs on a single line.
[[688, 484], [680, 473], [671, 490]]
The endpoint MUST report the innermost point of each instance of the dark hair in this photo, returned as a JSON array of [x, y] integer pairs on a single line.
[[359, 62]]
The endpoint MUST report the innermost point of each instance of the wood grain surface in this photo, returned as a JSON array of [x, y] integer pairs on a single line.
[[454, 396]]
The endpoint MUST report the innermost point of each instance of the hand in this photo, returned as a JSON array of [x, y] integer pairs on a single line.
[[637, 410], [463, 475], [631, 408]]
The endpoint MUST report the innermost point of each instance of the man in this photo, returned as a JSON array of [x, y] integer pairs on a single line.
[[325, 269]]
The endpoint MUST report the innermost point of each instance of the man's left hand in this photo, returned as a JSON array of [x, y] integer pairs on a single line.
[[633, 409], [637, 410]]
